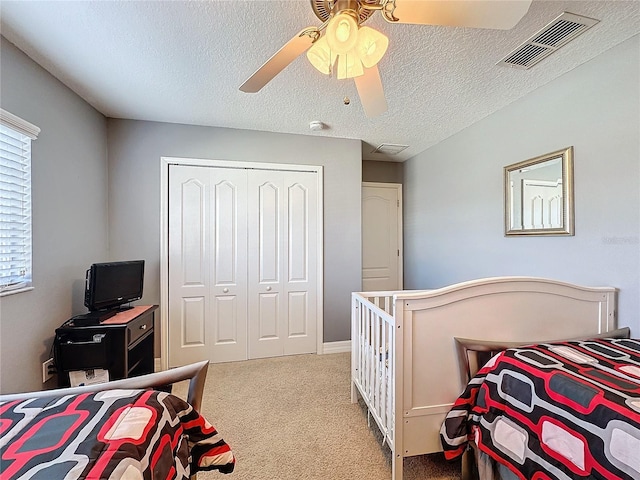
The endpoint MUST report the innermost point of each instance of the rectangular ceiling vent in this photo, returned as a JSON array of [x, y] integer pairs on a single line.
[[390, 148], [558, 33]]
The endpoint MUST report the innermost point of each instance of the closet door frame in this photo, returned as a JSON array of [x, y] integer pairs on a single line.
[[164, 237]]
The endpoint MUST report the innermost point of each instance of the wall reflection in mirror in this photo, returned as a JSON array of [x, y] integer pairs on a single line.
[[538, 195]]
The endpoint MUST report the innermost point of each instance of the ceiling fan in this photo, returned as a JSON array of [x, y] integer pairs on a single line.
[[350, 50]]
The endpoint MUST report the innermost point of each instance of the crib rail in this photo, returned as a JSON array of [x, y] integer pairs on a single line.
[[373, 372]]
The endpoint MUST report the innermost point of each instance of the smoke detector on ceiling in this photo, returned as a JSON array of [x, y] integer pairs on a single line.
[[390, 148], [556, 34]]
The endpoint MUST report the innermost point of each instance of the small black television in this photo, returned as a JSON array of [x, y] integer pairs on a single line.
[[110, 285]]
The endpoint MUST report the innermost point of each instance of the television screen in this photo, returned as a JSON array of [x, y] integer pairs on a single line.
[[112, 284]]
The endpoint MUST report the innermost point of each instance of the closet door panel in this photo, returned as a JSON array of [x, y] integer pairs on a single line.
[[268, 233], [188, 265], [300, 287], [265, 228], [298, 315], [298, 233], [268, 316], [226, 332], [207, 264], [227, 221], [192, 321]]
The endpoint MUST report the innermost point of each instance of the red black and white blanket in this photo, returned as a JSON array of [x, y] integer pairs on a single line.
[[114, 434], [554, 411]]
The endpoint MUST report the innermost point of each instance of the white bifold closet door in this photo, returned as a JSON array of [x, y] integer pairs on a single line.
[[242, 263]]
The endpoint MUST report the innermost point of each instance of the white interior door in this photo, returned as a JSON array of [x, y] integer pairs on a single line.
[[242, 264], [207, 264], [381, 236], [282, 263], [541, 204]]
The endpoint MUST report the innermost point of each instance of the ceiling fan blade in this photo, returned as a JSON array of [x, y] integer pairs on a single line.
[[496, 14], [370, 91], [283, 57]]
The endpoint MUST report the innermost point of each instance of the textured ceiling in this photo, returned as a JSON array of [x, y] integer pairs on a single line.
[[183, 61]]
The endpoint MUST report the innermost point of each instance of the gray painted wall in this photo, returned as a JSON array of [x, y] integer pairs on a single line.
[[382, 172], [453, 196], [135, 149], [69, 194]]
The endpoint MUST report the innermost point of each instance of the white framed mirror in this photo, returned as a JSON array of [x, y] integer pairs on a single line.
[[538, 195]]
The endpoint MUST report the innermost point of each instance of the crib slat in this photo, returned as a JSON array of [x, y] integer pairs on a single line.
[[383, 374], [378, 370], [391, 382]]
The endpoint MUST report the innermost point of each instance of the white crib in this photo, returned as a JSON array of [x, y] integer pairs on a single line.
[[404, 361]]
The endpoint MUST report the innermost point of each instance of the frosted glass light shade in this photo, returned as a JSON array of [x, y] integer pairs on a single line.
[[329, 54], [371, 47], [349, 66], [321, 57], [342, 33]]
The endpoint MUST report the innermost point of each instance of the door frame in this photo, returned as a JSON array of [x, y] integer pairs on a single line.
[[165, 162], [398, 187]]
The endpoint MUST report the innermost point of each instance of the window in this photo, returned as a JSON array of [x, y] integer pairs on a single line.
[[15, 202]]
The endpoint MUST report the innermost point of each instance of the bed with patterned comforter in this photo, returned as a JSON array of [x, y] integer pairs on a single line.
[[554, 411], [113, 434]]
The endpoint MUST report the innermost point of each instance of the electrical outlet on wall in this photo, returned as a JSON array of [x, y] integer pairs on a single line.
[[46, 374]]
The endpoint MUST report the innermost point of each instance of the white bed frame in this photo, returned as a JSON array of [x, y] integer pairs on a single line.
[[405, 364]]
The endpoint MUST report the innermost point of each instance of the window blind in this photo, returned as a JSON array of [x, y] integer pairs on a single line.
[[15, 202]]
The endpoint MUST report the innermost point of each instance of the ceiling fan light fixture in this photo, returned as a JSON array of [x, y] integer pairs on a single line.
[[341, 21], [321, 57], [372, 45], [342, 33]]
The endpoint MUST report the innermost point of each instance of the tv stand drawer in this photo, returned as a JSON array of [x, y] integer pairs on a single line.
[[139, 328]]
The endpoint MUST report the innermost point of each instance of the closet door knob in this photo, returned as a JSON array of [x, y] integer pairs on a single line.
[[268, 289], [225, 290]]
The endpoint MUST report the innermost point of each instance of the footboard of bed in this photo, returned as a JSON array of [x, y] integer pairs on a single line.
[[196, 373]]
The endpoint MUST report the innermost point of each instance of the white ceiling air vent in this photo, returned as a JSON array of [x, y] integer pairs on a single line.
[[555, 35], [390, 148]]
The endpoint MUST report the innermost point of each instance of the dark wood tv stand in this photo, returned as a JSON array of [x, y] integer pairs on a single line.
[[121, 344]]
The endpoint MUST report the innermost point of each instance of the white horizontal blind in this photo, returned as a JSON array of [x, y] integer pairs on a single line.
[[15, 202]]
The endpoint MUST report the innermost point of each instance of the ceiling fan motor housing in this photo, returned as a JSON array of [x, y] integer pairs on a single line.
[[325, 9]]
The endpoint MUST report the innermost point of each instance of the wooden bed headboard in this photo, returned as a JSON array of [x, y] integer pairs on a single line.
[[501, 309], [473, 353]]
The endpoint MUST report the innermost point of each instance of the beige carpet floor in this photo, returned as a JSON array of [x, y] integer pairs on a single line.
[[291, 418]]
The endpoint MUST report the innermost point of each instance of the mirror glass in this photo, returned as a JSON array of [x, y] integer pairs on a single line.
[[538, 195]]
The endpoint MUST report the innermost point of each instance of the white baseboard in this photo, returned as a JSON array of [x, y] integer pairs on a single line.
[[336, 347], [327, 348]]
